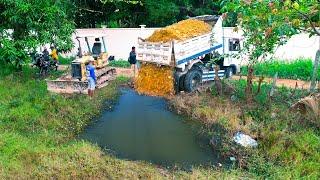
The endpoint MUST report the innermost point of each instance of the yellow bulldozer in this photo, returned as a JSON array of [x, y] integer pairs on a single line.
[[76, 81], [97, 51]]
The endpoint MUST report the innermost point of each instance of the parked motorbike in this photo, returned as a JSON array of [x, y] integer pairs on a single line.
[[44, 63]]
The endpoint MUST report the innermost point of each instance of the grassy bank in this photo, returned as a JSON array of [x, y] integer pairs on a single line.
[[38, 133], [288, 141], [297, 69], [66, 60], [119, 63]]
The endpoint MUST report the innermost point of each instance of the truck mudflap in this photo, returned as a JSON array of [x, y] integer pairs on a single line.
[[67, 85]]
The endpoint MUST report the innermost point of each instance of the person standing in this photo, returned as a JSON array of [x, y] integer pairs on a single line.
[[45, 53], [133, 60], [54, 54], [91, 76]]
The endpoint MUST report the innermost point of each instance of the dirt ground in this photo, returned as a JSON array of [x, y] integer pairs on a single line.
[[290, 83], [120, 71]]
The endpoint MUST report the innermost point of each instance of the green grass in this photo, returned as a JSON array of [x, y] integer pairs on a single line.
[[65, 60], [288, 142], [297, 69], [38, 136], [119, 63]]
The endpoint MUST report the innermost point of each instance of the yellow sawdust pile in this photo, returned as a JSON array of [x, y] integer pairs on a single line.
[[154, 80], [180, 31]]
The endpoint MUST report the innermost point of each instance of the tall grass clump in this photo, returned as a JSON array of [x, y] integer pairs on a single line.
[[296, 69], [119, 63], [66, 60], [288, 142]]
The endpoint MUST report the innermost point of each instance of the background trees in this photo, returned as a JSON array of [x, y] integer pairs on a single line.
[[26, 25], [268, 24], [127, 13]]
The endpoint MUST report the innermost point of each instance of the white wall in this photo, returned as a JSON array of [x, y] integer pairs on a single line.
[[299, 46], [120, 40]]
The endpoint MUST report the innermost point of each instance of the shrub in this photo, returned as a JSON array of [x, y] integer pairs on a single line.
[[66, 60], [297, 69], [120, 63]]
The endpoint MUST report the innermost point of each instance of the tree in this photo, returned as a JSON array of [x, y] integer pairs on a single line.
[[268, 24], [26, 25], [132, 13], [263, 29], [304, 15]]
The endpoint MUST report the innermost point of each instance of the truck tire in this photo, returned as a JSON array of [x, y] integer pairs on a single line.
[[229, 72], [181, 82], [192, 80]]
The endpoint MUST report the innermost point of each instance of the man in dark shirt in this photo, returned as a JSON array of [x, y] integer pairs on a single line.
[[133, 59], [45, 53]]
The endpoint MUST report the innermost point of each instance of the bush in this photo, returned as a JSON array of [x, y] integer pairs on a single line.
[[119, 63], [66, 60], [297, 69]]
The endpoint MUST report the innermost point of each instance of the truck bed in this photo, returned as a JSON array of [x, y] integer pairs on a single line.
[[176, 53]]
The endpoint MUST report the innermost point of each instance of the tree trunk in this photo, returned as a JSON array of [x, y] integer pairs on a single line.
[[315, 72], [249, 87]]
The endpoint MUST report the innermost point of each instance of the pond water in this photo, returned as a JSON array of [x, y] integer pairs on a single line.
[[142, 128]]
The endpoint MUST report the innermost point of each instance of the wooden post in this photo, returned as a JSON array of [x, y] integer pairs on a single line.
[[274, 82]]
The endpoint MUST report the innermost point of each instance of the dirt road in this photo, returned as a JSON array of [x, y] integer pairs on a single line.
[[290, 83]]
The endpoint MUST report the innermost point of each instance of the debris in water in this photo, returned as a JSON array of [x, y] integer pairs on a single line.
[[154, 80], [245, 140]]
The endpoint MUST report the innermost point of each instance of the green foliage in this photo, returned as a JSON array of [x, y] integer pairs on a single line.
[[263, 26], [114, 13], [297, 69], [26, 25], [66, 60], [287, 142], [161, 12], [120, 63]]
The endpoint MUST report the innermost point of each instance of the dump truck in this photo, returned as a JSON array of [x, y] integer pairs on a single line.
[[75, 81], [191, 58]]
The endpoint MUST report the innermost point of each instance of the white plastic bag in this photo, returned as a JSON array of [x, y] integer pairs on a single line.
[[245, 140]]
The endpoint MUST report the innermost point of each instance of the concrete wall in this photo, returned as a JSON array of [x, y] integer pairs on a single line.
[[299, 45], [120, 40]]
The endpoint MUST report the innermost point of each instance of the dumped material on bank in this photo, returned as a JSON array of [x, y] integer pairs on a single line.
[[154, 80], [180, 31]]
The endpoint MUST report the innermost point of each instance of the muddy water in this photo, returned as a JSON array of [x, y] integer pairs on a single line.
[[142, 128]]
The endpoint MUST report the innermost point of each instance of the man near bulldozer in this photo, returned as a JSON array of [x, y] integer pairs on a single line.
[[133, 60], [91, 76]]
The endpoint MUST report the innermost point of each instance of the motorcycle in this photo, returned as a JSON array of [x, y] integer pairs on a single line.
[[44, 63]]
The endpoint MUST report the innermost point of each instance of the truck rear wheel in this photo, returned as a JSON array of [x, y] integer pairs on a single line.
[[192, 80]]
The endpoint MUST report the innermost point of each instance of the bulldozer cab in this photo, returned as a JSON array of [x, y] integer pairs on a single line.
[[96, 48], [95, 44]]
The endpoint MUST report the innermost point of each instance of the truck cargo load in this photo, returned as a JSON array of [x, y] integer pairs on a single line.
[[191, 48]]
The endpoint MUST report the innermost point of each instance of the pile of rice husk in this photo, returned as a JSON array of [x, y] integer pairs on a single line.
[[154, 80], [180, 31]]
